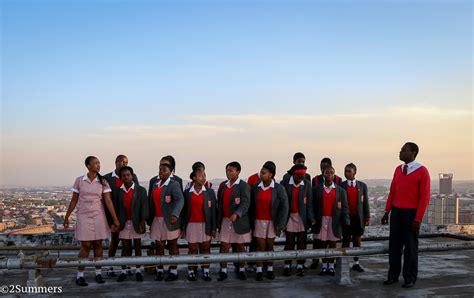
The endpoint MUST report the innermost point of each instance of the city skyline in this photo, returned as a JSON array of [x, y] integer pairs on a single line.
[[237, 80]]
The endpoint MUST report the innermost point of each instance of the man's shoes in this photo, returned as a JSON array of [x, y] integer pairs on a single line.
[[356, 267], [138, 276], [81, 281], [331, 272], [390, 281], [99, 279], [286, 272], [192, 277], [159, 276], [122, 277], [207, 276], [171, 277], [222, 276], [407, 285], [259, 276], [324, 271]]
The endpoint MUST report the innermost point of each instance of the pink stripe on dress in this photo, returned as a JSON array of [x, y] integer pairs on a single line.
[[159, 231], [196, 232], [326, 233], [228, 235], [129, 232], [295, 223], [264, 229]]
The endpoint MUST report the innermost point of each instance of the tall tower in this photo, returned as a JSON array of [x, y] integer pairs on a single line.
[[445, 184]]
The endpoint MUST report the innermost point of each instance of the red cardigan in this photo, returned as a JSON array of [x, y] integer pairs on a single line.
[[410, 191]]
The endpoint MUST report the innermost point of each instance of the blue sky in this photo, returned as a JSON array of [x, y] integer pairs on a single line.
[[72, 68]]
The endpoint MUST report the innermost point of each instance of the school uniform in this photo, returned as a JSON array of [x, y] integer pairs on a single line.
[[132, 211], [287, 176], [172, 176], [252, 179], [91, 223], [165, 199], [269, 209], [407, 202], [233, 199], [359, 210], [199, 214], [319, 180]]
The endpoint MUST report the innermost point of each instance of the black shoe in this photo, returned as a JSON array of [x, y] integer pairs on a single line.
[[222, 276], [324, 271], [81, 281], [159, 276], [171, 277], [99, 279], [259, 276], [331, 272], [286, 272], [314, 265], [192, 277], [300, 272], [356, 267], [138, 276], [111, 272], [241, 275], [122, 277], [407, 285], [207, 276], [390, 281], [270, 275], [129, 272]]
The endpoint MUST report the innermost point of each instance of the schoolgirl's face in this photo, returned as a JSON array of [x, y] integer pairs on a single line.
[[328, 175], [164, 172], [349, 173], [199, 178], [126, 177], [323, 166], [300, 161], [121, 162], [94, 165], [232, 173], [265, 175]]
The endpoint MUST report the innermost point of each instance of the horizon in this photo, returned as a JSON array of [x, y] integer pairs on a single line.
[[234, 80]]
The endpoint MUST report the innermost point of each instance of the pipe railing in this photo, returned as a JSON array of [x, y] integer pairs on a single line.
[[27, 263]]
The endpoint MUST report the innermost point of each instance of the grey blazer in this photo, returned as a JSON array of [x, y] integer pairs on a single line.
[[340, 215], [305, 201], [362, 201], [140, 208], [239, 204], [210, 210], [172, 202], [113, 195], [279, 206], [175, 178]]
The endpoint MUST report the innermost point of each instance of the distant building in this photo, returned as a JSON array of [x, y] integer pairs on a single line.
[[443, 210], [445, 184]]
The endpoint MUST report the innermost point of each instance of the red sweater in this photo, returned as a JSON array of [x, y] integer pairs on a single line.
[[157, 201], [127, 201], [196, 213], [352, 193], [328, 202], [264, 204], [226, 201], [410, 191], [252, 180], [295, 208]]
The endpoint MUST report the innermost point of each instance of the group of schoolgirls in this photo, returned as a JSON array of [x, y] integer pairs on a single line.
[[255, 212]]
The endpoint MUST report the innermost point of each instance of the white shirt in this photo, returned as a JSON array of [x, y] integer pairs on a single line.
[[329, 188], [292, 182], [163, 184], [272, 185], [412, 166], [114, 175], [352, 183], [127, 190], [235, 183], [197, 193]]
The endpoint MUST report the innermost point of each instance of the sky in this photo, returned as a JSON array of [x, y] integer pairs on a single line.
[[218, 81]]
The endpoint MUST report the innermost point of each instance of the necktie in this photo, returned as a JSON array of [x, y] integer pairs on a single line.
[[405, 170]]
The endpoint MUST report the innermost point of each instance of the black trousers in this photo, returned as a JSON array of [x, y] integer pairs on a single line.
[[402, 238]]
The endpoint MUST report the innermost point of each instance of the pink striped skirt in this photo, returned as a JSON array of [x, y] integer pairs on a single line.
[[129, 232], [264, 229], [159, 231], [228, 235], [196, 232], [295, 223], [326, 233]]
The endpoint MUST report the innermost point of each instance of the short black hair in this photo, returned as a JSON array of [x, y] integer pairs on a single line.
[[352, 166], [119, 157], [234, 164], [124, 169], [197, 165], [326, 160], [271, 167], [298, 155], [413, 147], [171, 160]]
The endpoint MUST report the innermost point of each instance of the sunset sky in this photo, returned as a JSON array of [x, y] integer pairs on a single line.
[[218, 81]]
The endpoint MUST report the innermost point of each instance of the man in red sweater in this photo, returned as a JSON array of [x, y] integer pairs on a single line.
[[407, 202]]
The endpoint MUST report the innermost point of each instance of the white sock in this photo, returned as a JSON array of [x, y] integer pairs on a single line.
[[80, 274], [269, 268], [224, 270], [259, 269], [242, 269], [124, 271], [174, 271], [299, 266], [356, 262], [331, 265], [206, 270], [111, 268], [190, 272], [324, 266], [138, 270], [98, 271], [287, 266], [159, 269]]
